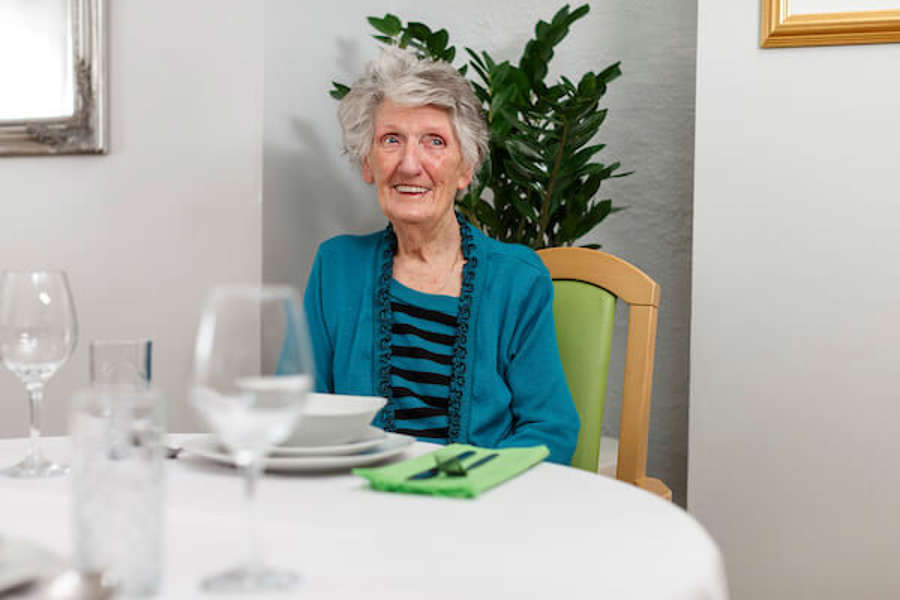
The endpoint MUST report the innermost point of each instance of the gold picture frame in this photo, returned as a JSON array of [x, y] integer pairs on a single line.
[[780, 28]]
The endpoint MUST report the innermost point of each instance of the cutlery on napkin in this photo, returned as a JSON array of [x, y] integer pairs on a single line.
[[446, 465], [421, 475], [453, 467]]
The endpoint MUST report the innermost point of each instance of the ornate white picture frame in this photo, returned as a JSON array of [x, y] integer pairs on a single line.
[[85, 130]]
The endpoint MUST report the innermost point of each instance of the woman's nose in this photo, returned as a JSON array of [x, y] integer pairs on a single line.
[[410, 162]]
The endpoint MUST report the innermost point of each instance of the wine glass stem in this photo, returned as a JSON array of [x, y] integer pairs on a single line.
[[251, 472], [35, 399]]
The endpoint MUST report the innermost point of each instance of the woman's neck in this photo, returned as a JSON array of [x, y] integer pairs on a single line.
[[429, 258], [428, 242]]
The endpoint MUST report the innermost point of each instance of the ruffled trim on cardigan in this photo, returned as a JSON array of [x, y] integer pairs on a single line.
[[458, 378], [383, 307]]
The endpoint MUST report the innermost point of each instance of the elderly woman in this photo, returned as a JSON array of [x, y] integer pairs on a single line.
[[453, 328]]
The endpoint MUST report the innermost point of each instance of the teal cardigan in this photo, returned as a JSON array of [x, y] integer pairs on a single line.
[[512, 389]]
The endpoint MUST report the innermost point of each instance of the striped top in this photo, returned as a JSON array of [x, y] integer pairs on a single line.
[[423, 331]]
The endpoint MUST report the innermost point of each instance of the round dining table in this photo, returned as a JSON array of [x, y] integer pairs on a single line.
[[551, 532]]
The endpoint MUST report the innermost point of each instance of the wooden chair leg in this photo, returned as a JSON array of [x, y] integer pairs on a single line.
[[655, 486]]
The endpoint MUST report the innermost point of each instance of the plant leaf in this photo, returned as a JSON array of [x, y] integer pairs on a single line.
[[529, 171], [418, 31], [389, 25], [482, 93], [437, 41], [561, 15], [588, 83], [488, 61], [584, 131], [578, 13], [340, 90], [610, 72], [500, 98], [524, 209], [475, 58], [523, 147]]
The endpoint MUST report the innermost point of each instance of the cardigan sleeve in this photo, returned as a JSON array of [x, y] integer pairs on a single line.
[[542, 406], [320, 338]]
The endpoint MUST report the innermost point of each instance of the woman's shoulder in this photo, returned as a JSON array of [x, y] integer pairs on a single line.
[[506, 256], [346, 261]]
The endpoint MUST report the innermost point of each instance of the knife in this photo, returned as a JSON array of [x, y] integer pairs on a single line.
[[482, 460], [433, 471]]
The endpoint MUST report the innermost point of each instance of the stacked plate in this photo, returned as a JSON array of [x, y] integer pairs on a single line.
[[374, 447], [333, 435]]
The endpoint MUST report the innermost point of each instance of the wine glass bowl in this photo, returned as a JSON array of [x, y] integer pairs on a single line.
[[252, 373], [38, 333], [261, 413]]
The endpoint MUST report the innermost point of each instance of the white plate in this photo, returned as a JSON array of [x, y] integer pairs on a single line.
[[371, 438], [21, 562], [392, 445]]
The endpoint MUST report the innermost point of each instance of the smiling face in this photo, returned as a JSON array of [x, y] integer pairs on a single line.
[[415, 163]]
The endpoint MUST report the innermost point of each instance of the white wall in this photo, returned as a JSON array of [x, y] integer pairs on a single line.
[[312, 193], [795, 384], [172, 209]]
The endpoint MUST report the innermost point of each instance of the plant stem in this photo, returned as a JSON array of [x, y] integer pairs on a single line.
[[545, 204], [520, 229]]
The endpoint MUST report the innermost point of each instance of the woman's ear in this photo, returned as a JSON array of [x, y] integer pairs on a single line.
[[367, 174], [466, 178]]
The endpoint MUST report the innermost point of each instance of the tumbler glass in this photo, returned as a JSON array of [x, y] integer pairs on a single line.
[[118, 442]]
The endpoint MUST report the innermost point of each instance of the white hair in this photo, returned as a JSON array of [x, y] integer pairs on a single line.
[[400, 76]]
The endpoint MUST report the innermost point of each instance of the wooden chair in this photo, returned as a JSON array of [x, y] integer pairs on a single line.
[[586, 285]]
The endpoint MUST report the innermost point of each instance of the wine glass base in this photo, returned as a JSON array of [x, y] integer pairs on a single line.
[[29, 468], [255, 579]]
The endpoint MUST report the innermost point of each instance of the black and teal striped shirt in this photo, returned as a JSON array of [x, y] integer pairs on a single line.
[[423, 331]]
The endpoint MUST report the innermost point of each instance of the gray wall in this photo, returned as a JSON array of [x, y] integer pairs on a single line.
[[796, 327], [174, 208], [311, 193]]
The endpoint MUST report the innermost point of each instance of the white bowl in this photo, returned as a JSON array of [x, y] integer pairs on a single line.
[[330, 419]]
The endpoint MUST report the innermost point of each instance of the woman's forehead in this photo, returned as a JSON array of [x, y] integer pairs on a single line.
[[391, 114]]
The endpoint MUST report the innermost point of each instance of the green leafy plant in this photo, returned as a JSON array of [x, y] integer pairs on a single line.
[[539, 185]]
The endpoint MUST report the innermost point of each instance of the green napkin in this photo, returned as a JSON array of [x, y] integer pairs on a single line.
[[508, 463]]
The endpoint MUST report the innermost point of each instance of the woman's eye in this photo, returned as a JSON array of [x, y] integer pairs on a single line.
[[436, 141], [390, 139]]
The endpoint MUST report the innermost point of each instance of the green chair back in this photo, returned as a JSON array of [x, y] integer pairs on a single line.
[[604, 276], [584, 315]]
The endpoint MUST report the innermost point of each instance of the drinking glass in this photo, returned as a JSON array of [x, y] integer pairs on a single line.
[[117, 452], [252, 371], [38, 333]]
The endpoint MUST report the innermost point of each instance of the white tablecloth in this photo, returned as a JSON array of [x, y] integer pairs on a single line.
[[553, 532]]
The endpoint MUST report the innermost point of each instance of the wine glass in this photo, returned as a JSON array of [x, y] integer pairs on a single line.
[[38, 333], [252, 371]]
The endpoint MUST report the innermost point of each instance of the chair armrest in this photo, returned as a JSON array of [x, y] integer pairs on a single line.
[[655, 486]]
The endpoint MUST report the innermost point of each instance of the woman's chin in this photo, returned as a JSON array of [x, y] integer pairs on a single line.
[[416, 215]]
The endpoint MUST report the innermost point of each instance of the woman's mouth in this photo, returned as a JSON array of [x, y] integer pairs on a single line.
[[410, 189]]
